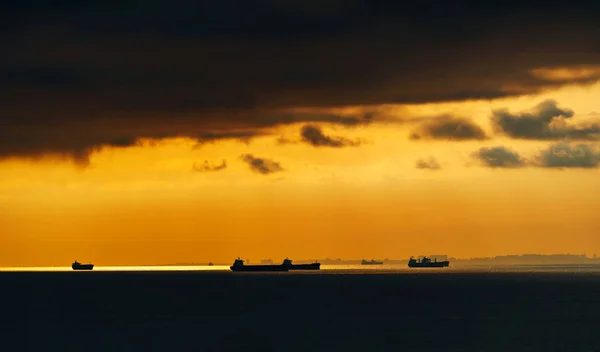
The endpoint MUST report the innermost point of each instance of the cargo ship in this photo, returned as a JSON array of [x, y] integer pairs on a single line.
[[427, 263], [371, 262], [313, 266], [78, 266], [238, 265]]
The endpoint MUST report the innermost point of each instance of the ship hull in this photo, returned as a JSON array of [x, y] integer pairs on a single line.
[[313, 266], [258, 268], [429, 265], [371, 264], [83, 267]]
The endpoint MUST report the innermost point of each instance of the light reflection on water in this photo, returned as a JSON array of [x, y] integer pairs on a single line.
[[327, 269], [125, 268]]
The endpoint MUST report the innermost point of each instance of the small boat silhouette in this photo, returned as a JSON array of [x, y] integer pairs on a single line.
[[78, 266], [371, 262], [427, 263]]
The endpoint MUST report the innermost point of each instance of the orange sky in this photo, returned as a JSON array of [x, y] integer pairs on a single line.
[[147, 205]]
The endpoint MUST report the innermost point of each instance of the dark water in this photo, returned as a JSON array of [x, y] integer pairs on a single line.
[[223, 311]]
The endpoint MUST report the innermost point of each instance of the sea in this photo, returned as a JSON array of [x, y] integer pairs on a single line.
[[339, 308]]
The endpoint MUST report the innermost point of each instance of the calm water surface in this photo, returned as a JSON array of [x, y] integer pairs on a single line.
[[340, 308]]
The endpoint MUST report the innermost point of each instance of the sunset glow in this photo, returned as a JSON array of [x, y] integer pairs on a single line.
[[148, 204], [213, 147]]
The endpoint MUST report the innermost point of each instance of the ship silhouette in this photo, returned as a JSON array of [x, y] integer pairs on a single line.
[[371, 262], [427, 263], [238, 265], [78, 266], [312, 266]]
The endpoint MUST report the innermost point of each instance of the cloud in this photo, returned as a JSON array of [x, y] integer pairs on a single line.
[[281, 140], [206, 167], [559, 155], [77, 139], [314, 136], [261, 165], [449, 128], [76, 148], [567, 73], [499, 157], [429, 164], [242, 136], [99, 70], [563, 155], [545, 122]]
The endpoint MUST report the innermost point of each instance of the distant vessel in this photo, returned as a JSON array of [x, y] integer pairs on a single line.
[[238, 265], [210, 264], [427, 263], [78, 266], [371, 262], [313, 266]]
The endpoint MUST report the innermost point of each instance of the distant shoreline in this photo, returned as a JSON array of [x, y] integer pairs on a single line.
[[507, 260]]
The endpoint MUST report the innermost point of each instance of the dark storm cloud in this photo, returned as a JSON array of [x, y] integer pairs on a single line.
[[499, 157], [449, 128], [563, 155], [75, 139], [314, 136], [207, 167], [75, 75], [546, 122], [74, 147], [242, 136], [428, 164], [261, 165], [272, 119]]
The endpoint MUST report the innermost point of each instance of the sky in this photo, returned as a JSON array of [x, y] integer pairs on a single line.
[[137, 133]]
